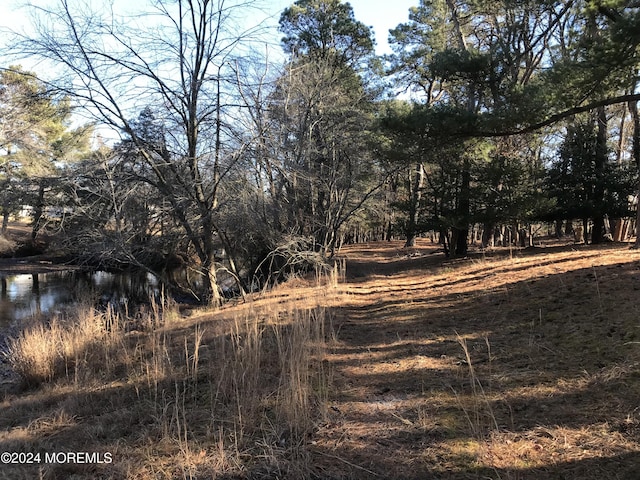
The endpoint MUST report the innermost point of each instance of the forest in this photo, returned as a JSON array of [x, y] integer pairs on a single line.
[[191, 142]]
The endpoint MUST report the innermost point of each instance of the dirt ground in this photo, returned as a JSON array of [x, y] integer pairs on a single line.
[[510, 364], [11, 264]]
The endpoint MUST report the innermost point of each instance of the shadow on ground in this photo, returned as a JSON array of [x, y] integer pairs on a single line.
[[495, 366]]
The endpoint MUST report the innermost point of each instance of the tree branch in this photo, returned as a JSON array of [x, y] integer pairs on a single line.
[[634, 97]]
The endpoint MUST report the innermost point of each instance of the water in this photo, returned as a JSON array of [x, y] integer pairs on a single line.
[[24, 295]]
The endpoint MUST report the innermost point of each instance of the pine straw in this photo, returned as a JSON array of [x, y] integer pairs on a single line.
[[547, 387], [504, 365]]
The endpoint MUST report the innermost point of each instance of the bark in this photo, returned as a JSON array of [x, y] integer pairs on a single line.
[[414, 205], [488, 233], [597, 232], [633, 108], [5, 221], [568, 228], [461, 230], [558, 229], [38, 212], [622, 136], [212, 292]]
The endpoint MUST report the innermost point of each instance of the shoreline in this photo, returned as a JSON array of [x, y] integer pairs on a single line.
[[34, 265]]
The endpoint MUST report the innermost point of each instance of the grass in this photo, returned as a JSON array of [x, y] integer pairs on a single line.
[[506, 365], [69, 346], [178, 398], [7, 246]]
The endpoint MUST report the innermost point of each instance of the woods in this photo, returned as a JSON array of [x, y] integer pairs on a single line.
[[489, 123]]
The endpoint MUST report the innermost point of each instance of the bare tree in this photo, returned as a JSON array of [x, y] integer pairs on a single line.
[[174, 60]]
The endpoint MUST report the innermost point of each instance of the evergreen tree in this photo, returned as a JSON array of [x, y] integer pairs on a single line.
[[581, 186], [323, 109], [36, 141]]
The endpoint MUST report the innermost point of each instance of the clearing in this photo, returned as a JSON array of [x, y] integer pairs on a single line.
[[509, 365]]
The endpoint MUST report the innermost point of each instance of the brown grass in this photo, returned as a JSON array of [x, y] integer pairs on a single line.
[[7, 246], [212, 395], [504, 365]]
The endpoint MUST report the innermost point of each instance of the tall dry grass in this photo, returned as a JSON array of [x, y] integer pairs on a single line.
[[218, 401], [70, 345], [271, 388]]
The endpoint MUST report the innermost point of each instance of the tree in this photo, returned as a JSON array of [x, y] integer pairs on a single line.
[[409, 149], [582, 185], [501, 67], [317, 29], [432, 51], [36, 140], [181, 66], [118, 219], [323, 109]]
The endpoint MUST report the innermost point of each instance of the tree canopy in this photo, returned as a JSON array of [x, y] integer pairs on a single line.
[[492, 120]]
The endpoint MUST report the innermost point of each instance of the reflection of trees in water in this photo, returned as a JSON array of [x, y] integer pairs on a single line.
[[24, 295], [125, 292], [5, 311], [36, 300]]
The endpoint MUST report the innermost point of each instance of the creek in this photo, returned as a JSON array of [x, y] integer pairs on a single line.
[[24, 295]]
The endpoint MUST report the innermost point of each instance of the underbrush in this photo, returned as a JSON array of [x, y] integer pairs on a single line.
[[7, 246], [172, 397]]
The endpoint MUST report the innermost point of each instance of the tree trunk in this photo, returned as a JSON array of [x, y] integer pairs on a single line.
[[633, 108], [414, 205], [558, 229], [597, 232], [460, 231], [211, 291], [445, 242], [568, 228], [488, 233], [37, 212], [5, 221]]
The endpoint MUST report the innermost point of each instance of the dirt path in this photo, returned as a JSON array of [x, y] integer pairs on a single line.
[[491, 367]]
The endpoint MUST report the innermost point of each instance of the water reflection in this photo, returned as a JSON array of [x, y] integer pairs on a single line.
[[24, 295]]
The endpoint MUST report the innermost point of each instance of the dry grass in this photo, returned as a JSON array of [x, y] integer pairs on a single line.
[[214, 396], [78, 344], [504, 365], [7, 246]]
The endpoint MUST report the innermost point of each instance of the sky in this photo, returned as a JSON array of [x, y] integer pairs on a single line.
[[379, 14]]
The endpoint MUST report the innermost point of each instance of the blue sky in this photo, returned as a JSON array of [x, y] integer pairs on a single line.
[[379, 14]]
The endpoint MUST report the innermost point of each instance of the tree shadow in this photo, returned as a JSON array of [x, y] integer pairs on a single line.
[[550, 373], [443, 357]]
